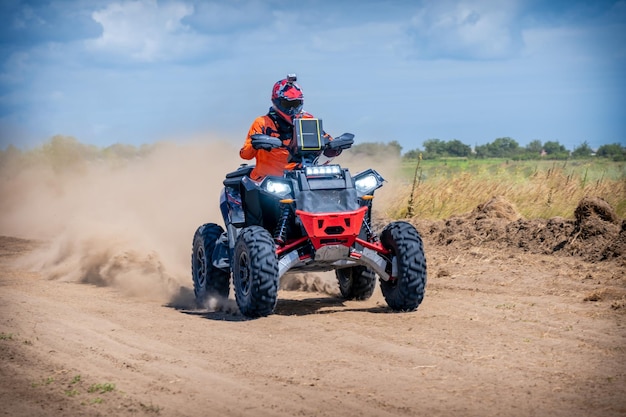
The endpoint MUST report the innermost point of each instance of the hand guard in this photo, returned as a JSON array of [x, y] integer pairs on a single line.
[[331, 153]]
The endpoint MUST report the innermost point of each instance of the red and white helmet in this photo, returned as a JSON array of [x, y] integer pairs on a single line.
[[287, 98]]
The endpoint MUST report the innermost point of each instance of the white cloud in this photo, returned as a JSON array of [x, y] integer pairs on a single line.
[[27, 17], [367, 39], [232, 16], [14, 68], [471, 29], [514, 62], [146, 31]]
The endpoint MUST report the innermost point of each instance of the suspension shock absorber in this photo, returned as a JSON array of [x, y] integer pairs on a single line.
[[280, 233], [371, 237]]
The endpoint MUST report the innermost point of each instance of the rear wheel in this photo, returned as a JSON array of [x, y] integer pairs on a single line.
[[207, 280], [255, 272], [356, 282], [405, 290]]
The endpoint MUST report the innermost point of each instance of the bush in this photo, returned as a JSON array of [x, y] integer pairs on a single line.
[[614, 151]]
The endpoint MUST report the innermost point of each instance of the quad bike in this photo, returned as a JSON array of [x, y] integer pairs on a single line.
[[314, 218]]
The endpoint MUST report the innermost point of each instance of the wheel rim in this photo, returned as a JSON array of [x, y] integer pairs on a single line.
[[346, 278], [201, 267], [244, 273]]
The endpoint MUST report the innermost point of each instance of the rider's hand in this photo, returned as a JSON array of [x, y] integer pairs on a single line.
[[259, 145]]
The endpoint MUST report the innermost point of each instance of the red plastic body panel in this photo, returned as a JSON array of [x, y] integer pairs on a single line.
[[332, 228]]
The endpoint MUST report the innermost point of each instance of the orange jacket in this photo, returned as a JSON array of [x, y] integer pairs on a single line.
[[272, 162]]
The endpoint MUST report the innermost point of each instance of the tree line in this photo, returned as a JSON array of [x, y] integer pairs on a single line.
[[505, 147], [64, 151]]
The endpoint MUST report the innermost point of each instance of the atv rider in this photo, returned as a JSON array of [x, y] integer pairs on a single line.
[[287, 103]]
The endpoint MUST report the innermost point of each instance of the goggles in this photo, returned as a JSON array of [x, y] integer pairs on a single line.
[[290, 104]]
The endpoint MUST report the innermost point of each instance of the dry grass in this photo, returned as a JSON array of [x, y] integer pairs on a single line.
[[537, 189]]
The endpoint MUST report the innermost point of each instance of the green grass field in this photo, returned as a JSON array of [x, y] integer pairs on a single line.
[[538, 189]]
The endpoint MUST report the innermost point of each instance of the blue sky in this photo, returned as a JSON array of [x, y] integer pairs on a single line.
[[474, 70]]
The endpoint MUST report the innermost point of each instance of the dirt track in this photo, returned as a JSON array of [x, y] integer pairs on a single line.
[[500, 333], [521, 317]]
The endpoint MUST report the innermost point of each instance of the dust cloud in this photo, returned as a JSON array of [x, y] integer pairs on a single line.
[[123, 222], [127, 221]]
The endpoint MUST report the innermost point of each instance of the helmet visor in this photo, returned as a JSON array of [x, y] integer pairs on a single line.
[[290, 104]]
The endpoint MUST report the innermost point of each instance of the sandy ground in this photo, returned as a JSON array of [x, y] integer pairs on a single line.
[[500, 333], [520, 318]]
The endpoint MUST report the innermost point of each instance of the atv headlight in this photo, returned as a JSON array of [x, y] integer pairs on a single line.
[[367, 182], [279, 188], [322, 171]]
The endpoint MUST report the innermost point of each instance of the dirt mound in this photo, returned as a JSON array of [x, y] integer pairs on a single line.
[[617, 248], [597, 228], [595, 208], [596, 234], [496, 208], [540, 236], [486, 223]]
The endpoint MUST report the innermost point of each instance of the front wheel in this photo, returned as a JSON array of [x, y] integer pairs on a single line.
[[356, 282], [255, 272], [405, 290], [207, 279]]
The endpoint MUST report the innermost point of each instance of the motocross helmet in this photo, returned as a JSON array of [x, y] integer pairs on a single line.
[[287, 98]]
